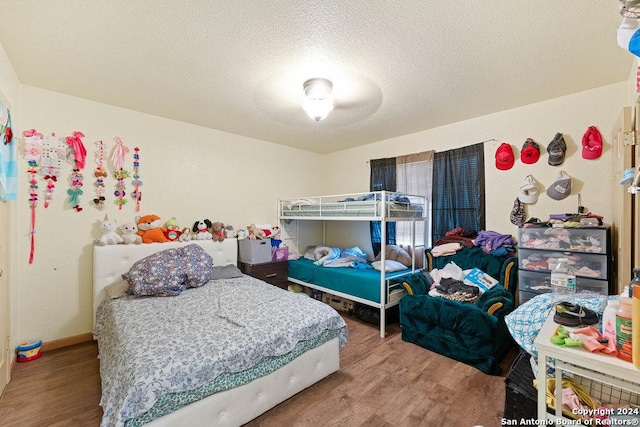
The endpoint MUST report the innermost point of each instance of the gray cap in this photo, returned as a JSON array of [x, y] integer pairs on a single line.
[[561, 188], [557, 149]]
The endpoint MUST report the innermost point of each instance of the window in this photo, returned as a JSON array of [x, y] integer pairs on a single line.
[[414, 173], [458, 190], [453, 183]]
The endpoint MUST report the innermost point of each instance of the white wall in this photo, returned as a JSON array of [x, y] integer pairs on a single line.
[[10, 90], [188, 172], [570, 115]]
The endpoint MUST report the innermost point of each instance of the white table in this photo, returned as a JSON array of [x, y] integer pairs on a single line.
[[603, 368]]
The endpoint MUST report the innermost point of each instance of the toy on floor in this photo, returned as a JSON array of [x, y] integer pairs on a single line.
[[29, 351]]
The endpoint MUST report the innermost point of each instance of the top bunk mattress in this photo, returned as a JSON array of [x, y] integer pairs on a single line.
[[361, 205], [361, 283]]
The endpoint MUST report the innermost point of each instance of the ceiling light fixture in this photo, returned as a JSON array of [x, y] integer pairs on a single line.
[[318, 102]]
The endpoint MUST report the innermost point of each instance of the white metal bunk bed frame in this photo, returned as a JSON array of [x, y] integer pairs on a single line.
[[382, 211]]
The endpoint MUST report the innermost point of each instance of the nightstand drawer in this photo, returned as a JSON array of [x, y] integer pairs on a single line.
[[274, 272]]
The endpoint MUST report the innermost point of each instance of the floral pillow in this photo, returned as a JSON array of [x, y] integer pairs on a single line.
[[169, 272], [198, 265]]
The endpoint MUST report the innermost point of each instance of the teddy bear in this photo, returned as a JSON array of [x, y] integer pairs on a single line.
[[201, 230], [254, 232], [173, 232], [217, 231], [130, 233], [108, 229], [150, 229]]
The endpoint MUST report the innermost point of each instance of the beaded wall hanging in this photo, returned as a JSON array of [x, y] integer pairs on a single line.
[[32, 153], [100, 173], [117, 159], [137, 183]]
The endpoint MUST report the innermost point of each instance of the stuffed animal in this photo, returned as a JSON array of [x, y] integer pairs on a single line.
[[130, 233], [275, 233], [254, 232], [185, 235], [241, 234], [150, 229], [108, 229], [173, 232], [229, 232], [217, 231], [201, 230]]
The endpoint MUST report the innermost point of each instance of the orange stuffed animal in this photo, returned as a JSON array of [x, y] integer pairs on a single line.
[[151, 229]]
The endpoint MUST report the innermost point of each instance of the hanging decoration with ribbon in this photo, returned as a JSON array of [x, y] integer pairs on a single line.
[[137, 183], [53, 154], [77, 154], [118, 159], [76, 189], [32, 153], [100, 173]]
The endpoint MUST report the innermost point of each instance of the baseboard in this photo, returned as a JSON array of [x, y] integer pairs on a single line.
[[66, 342]]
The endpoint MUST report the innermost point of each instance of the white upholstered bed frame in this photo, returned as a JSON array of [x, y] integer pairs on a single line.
[[231, 407]]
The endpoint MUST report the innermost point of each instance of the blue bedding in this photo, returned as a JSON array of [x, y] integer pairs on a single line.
[[362, 283]]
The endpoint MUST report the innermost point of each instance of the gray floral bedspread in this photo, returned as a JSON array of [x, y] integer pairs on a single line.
[[152, 346]]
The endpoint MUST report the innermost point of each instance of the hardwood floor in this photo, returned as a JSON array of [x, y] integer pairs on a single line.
[[381, 382]]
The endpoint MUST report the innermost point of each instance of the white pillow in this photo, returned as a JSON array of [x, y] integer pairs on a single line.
[[118, 289], [389, 266]]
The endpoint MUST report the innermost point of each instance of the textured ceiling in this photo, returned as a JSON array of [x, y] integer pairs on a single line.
[[397, 67]]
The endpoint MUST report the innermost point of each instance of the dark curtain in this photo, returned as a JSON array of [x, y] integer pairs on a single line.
[[458, 190], [383, 177]]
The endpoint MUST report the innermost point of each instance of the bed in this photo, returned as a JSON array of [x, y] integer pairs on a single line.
[[379, 289], [212, 354], [373, 206]]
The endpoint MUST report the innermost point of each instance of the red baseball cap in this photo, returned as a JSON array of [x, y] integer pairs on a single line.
[[591, 143], [504, 157], [530, 152]]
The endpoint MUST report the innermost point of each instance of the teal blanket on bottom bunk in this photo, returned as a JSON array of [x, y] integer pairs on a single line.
[[361, 283]]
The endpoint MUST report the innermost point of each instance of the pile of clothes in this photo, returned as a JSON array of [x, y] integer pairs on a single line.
[[491, 242]]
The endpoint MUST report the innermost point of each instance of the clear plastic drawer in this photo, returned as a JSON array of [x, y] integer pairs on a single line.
[[537, 282], [586, 265], [589, 240]]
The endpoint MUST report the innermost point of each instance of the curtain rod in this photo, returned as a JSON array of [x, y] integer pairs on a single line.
[[481, 142]]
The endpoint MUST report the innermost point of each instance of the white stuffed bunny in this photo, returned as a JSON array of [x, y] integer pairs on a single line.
[[108, 229], [130, 233]]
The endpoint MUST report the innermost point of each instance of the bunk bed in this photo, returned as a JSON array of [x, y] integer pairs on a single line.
[[378, 289]]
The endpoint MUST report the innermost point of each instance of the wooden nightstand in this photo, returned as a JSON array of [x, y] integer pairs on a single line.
[[273, 272]]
